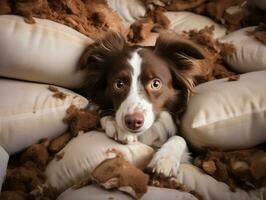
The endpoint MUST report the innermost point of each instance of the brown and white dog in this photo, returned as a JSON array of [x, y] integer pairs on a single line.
[[145, 90]]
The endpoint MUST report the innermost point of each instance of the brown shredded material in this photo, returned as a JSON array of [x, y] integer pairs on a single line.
[[57, 93], [91, 18], [25, 174], [141, 29], [234, 78], [117, 173], [233, 14], [172, 184], [60, 142], [215, 51], [14, 195], [5, 7], [59, 156], [81, 120], [242, 168], [174, 5], [259, 33], [37, 153]]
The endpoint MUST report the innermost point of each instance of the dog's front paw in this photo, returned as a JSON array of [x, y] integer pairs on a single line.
[[164, 165]]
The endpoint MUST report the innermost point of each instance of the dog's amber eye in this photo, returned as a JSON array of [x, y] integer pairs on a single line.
[[155, 84], [119, 84]]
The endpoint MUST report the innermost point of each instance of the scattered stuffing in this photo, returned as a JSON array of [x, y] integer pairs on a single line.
[[172, 184], [141, 29], [233, 14], [234, 78], [92, 18], [25, 174], [118, 173], [242, 168], [5, 7], [37, 153], [259, 33], [215, 51], [81, 120], [57, 93], [60, 142], [245, 169], [173, 5], [59, 156]]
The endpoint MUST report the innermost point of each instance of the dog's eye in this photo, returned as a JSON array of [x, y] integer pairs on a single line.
[[119, 84], [156, 84]]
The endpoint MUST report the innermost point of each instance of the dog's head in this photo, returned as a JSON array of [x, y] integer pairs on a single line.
[[138, 83]]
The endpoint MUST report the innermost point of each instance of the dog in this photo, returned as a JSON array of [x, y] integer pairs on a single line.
[[142, 91]]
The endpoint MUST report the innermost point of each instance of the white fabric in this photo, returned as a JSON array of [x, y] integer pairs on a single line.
[[228, 115], [85, 152], [45, 52], [3, 165], [250, 53], [128, 10], [210, 188], [185, 21], [29, 112], [93, 192]]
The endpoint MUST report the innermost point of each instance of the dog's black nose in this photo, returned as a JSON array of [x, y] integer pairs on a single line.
[[134, 121]]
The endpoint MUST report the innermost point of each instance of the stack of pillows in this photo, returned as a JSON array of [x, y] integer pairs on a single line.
[[227, 115]]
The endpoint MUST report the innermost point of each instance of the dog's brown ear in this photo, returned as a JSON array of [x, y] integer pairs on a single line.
[[95, 61], [186, 59]]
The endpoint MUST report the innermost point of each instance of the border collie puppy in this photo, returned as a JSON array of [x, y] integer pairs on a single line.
[[143, 91]]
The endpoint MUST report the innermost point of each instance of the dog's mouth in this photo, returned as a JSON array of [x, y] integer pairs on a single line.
[[139, 131]]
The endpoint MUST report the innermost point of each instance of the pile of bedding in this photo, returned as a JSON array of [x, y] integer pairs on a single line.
[[52, 135]]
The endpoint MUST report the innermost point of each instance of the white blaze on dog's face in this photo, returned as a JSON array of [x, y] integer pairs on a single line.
[[137, 84], [135, 114]]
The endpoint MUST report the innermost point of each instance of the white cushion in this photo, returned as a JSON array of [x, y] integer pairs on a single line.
[[93, 192], [45, 52], [227, 115], [29, 112], [250, 53], [128, 10], [212, 189], [185, 21], [85, 152], [3, 165]]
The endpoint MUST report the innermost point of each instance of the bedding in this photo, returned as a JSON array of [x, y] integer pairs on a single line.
[[31, 111], [3, 165], [227, 114], [250, 52], [45, 52]]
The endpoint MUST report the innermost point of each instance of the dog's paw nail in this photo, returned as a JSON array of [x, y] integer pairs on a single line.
[[164, 166]]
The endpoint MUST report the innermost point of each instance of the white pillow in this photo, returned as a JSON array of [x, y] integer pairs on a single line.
[[29, 112], [185, 21], [250, 53], [85, 152], [128, 10], [210, 188], [93, 192], [45, 52], [3, 165], [227, 115]]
